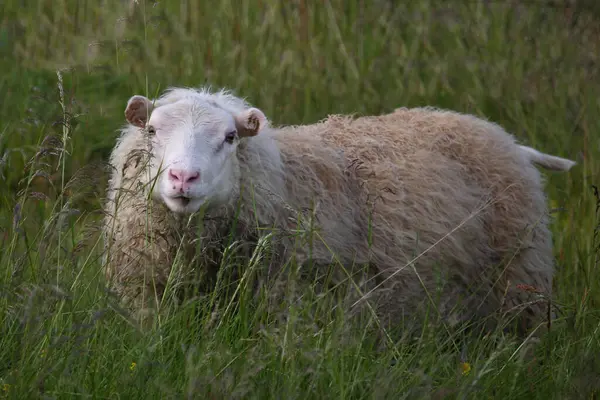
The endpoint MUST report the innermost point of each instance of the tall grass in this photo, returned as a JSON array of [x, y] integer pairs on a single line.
[[531, 67]]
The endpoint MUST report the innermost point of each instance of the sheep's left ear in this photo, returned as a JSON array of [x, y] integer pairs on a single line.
[[249, 122]]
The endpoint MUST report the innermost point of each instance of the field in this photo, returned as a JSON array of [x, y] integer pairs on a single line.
[[68, 69]]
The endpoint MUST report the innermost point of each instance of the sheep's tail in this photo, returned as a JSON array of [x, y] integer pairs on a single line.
[[546, 160]]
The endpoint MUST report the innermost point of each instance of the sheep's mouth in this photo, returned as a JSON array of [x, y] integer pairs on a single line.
[[180, 203], [182, 199]]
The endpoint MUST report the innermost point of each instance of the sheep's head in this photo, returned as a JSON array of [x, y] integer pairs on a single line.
[[194, 144]]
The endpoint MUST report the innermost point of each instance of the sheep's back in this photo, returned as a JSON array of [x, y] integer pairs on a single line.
[[417, 179]]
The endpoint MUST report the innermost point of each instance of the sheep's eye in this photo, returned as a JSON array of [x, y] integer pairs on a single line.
[[151, 130], [230, 136]]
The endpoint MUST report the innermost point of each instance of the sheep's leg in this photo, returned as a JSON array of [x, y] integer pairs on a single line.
[[138, 271], [529, 288]]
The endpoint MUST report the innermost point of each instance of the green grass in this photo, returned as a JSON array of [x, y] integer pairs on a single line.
[[534, 69]]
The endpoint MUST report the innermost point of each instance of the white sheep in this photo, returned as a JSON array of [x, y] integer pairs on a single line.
[[422, 196]]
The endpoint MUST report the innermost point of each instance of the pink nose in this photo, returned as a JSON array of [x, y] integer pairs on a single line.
[[182, 178]]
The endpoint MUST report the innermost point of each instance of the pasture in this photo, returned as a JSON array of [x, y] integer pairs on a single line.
[[67, 71]]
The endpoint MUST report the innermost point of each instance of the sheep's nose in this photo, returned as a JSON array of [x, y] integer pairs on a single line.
[[182, 177]]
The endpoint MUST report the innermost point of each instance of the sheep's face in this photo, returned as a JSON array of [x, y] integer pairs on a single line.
[[194, 149]]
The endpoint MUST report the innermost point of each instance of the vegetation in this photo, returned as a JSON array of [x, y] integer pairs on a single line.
[[68, 68]]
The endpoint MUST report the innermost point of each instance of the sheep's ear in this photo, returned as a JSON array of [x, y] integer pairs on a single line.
[[138, 110], [249, 122]]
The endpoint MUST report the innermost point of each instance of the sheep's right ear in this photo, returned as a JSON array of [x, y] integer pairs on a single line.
[[138, 110], [250, 122]]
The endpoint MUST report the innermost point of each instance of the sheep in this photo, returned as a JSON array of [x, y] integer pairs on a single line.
[[442, 208]]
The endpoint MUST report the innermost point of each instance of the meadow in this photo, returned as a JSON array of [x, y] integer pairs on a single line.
[[67, 71]]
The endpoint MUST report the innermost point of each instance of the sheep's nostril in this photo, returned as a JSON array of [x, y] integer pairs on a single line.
[[175, 175], [194, 177]]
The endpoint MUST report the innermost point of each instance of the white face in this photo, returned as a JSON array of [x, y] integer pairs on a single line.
[[194, 147]]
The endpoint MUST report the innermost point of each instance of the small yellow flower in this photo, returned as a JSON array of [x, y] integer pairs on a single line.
[[132, 366], [466, 368], [5, 388]]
